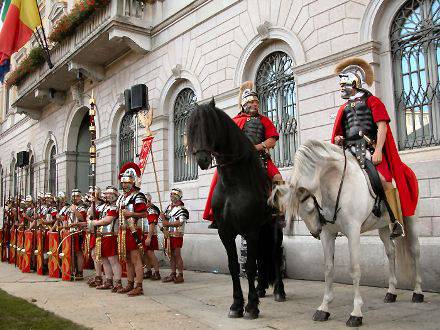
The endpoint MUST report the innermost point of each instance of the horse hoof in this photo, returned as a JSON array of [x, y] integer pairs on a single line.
[[417, 297], [235, 314], [321, 316], [390, 298], [261, 293], [280, 297], [354, 321], [251, 315]]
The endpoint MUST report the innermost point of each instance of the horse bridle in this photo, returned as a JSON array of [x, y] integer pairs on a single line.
[[215, 157], [318, 207]]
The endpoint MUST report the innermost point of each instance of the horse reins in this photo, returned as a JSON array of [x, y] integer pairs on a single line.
[[322, 218]]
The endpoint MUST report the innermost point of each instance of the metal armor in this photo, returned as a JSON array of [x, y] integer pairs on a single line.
[[254, 130], [358, 118], [111, 228], [177, 213], [144, 224]]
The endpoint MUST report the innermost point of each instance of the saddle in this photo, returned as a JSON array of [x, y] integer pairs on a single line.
[[376, 186]]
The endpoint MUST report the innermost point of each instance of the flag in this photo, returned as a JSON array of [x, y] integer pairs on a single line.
[[19, 19], [143, 156]]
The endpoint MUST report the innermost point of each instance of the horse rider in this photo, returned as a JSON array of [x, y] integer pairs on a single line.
[[362, 126], [262, 133]]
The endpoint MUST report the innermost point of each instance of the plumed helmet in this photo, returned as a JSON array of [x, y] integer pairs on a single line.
[[130, 172], [355, 71], [246, 94]]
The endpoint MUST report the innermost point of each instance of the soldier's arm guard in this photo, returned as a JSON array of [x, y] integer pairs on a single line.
[[136, 238]]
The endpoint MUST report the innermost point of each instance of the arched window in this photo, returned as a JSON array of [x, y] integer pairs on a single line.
[[52, 171], [126, 139], [276, 89], [185, 166], [415, 36]]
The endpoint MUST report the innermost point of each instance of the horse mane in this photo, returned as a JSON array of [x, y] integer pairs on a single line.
[[309, 160], [213, 130]]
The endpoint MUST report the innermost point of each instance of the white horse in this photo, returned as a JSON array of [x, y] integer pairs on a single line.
[[312, 191]]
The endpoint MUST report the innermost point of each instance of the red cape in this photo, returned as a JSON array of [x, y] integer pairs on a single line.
[[406, 180], [240, 120]]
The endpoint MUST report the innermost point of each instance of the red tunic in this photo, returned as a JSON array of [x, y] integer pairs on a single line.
[[404, 177], [270, 131]]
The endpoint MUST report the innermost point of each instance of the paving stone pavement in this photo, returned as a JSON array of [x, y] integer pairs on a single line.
[[202, 302]]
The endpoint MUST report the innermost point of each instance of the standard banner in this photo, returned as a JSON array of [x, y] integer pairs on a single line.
[[27, 254], [143, 156], [54, 260], [66, 257], [39, 252]]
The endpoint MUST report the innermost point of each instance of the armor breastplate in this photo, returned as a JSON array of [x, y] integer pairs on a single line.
[[112, 227], [254, 130], [127, 203], [144, 224], [176, 213], [358, 117]]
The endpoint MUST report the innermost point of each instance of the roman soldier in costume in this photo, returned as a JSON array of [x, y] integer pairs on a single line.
[[362, 126], [150, 242], [76, 220], [260, 130], [28, 214], [93, 282], [132, 206], [174, 219], [106, 243], [63, 205]]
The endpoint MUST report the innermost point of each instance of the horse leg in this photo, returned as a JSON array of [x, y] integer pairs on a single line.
[[384, 234], [278, 288], [328, 244], [354, 245], [236, 309], [414, 249], [251, 309]]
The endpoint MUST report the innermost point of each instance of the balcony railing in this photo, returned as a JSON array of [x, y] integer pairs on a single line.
[[108, 34]]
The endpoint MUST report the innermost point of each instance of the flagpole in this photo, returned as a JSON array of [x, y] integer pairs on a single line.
[[45, 46]]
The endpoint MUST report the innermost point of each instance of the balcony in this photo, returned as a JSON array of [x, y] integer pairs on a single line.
[[106, 36]]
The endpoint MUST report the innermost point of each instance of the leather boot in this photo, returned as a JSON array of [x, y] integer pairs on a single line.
[[169, 278], [155, 276], [128, 288], [179, 278], [117, 286], [393, 200], [94, 282], [147, 274], [108, 285], [79, 276], [137, 291]]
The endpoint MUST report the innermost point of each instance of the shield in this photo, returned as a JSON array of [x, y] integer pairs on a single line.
[[39, 251], [27, 254], [12, 246], [66, 256], [20, 246], [54, 262]]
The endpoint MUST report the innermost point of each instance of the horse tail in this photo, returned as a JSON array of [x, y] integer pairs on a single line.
[[267, 253], [406, 248]]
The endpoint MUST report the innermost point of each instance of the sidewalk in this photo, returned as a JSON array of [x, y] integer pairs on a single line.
[[203, 301]]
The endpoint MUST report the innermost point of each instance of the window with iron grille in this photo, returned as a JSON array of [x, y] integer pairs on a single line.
[[185, 166], [52, 171], [415, 50], [126, 139], [275, 86]]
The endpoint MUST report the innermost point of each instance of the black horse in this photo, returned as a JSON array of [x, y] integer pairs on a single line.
[[239, 203]]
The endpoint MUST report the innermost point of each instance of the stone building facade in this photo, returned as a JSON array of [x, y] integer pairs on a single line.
[[186, 51]]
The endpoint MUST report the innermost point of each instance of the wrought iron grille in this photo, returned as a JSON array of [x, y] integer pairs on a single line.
[[416, 58], [276, 89], [52, 171], [126, 139], [185, 166]]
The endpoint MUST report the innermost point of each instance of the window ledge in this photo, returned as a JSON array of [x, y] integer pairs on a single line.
[[420, 154]]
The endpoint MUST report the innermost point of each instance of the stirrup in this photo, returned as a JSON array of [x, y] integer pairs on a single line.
[[397, 230]]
